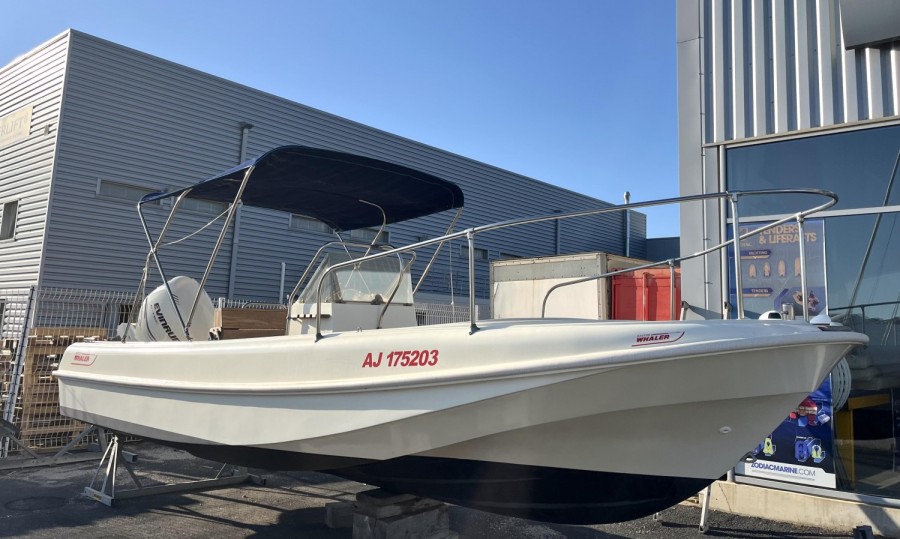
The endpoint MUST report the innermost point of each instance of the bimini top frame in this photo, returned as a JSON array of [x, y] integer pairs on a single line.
[[344, 191]]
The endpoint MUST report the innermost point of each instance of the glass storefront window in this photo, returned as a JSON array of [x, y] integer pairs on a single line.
[[863, 264], [857, 165], [862, 267]]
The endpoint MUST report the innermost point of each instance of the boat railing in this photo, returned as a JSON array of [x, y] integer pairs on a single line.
[[731, 197]]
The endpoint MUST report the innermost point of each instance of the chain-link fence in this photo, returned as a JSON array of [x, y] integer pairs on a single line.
[[36, 326]]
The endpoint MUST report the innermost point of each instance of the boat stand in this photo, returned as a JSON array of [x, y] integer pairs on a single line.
[[105, 491], [704, 508], [381, 514], [11, 432], [704, 496]]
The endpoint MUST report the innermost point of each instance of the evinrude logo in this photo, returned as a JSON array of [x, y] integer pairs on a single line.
[[162, 321], [657, 338], [85, 360]]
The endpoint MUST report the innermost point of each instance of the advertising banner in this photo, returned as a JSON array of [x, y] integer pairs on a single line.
[[801, 448], [770, 264]]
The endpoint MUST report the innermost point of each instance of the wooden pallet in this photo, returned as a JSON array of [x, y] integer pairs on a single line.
[[249, 323], [37, 409], [51, 438], [39, 392], [37, 415], [42, 428], [41, 425]]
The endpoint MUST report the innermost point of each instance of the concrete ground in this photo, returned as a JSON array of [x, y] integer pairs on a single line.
[[48, 502]]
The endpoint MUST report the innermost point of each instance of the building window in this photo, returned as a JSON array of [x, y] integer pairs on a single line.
[[203, 206], [368, 235], [123, 191], [8, 220], [480, 254], [308, 224]]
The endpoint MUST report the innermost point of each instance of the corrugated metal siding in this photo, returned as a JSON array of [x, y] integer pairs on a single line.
[[137, 119], [26, 166], [777, 66], [124, 122]]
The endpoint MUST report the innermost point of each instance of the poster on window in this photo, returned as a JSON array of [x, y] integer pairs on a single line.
[[770, 269], [801, 448]]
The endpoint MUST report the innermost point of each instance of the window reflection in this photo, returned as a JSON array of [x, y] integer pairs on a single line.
[[863, 261], [857, 165]]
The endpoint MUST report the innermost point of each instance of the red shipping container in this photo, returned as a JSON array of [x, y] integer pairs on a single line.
[[646, 295]]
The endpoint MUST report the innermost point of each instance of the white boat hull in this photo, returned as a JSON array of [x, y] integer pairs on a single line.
[[677, 400]]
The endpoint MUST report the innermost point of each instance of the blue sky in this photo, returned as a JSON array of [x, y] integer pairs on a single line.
[[577, 93]]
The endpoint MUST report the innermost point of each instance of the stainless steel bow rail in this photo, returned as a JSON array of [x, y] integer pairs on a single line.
[[732, 197]]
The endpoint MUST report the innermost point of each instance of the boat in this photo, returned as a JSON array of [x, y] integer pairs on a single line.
[[558, 420]]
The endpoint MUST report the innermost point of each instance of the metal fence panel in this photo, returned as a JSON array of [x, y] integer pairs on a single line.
[[428, 314], [15, 308], [225, 303], [38, 325]]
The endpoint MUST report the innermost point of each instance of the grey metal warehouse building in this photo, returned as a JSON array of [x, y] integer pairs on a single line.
[[88, 126], [777, 94]]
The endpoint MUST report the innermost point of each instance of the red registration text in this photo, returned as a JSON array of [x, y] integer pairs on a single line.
[[401, 358]]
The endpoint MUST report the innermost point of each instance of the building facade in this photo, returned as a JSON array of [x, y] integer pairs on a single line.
[[87, 127], [796, 94]]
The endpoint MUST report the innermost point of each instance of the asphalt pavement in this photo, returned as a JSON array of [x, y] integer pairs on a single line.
[[48, 502]]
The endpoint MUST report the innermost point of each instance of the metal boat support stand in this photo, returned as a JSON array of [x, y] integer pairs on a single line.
[[703, 496], [104, 491], [11, 432], [704, 509]]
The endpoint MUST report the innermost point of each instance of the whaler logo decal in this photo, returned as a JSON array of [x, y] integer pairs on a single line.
[[657, 338], [85, 360]]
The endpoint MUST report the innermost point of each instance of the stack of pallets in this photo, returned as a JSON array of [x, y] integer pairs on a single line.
[[244, 323], [37, 406]]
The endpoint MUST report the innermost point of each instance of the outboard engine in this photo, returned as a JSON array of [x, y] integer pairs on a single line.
[[158, 318]]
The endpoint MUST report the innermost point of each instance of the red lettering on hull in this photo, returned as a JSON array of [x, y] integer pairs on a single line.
[[402, 358], [84, 360]]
